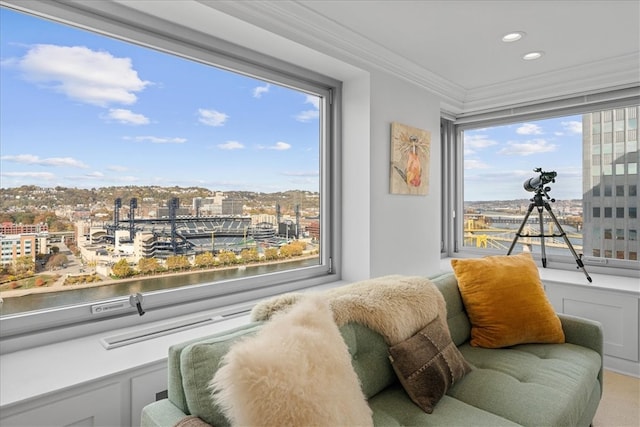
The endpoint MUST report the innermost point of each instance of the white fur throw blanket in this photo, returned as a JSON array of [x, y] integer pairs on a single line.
[[397, 307]]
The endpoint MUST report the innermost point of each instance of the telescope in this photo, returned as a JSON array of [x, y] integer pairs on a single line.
[[537, 183], [541, 201]]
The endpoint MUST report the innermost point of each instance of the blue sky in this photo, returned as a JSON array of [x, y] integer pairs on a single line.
[[82, 110], [499, 159]]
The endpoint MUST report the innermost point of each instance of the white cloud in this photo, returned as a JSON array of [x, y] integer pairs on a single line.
[[280, 146], [313, 100], [156, 139], [46, 176], [95, 175], [127, 117], [474, 143], [302, 174], [572, 127], [308, 115], [30, 159], [528, 148], [258, 91], [82, 74], [529, 129], [212, 117], [231, 145], [470, 164]]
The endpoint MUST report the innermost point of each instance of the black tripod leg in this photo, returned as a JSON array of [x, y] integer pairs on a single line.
[[542, 247], [518, 233], [568, 242]]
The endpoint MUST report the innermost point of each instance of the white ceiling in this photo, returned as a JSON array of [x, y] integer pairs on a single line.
[[452, 48], [460, 41]]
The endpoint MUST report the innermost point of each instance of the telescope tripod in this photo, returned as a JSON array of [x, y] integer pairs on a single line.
[[541, 203]]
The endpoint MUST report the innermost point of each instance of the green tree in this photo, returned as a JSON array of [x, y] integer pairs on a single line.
[[177, 262], [56, 260], [148, 265], [249, 255], [205, 259], [292, 249], [227, 258], [122, 269], [271, 254], [24, 266]]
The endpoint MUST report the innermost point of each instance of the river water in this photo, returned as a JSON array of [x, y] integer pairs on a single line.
[[48, 300]]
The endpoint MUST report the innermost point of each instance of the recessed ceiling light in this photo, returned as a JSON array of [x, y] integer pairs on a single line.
[[532, 55], [513, 37]]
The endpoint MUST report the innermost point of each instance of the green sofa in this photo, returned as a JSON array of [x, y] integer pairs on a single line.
[[531, 384]]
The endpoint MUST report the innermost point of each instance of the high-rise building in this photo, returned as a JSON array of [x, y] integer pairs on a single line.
[[610, 183]]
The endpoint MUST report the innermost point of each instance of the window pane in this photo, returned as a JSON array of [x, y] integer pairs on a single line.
[[147, 171], [498, 158]]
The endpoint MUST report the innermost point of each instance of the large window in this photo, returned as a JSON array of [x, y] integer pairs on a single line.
[[154, 167], [579, 171]]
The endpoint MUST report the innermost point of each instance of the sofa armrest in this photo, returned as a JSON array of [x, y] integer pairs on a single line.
[[162, 413], [586, 333], [582, 332]]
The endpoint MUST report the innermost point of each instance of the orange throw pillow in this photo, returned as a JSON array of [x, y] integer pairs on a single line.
[[505, 301]]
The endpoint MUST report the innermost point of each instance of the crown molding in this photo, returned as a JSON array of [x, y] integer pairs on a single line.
[[595, 77], [295, 21]]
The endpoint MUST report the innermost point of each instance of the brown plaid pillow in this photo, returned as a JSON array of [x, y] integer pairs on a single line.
[[428, 364]]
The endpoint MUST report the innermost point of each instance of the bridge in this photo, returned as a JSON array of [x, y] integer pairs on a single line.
[[481, 234]]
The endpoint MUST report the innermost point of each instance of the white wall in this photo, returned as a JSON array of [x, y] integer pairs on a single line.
[[405, 230], [356, 200], [385, 233]]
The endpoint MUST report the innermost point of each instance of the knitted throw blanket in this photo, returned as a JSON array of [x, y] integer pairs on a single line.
[[397, 307]]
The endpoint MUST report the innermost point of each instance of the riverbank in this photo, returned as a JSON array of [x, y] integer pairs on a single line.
[[59, 285]]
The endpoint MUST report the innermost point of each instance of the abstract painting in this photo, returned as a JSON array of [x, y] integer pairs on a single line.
[[410, 153]]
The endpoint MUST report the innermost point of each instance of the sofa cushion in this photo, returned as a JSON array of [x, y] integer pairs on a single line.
[[506, 302], [428, 364], [515, 383], [295, 371], [393, 408], [457, 319], [369, 358], [189, 373]]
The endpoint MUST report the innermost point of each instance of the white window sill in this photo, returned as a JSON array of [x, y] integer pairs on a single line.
[[577, 278]]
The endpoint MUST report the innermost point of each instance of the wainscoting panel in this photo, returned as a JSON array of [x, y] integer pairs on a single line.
[[144, 390], [617, 311], [98, 407]]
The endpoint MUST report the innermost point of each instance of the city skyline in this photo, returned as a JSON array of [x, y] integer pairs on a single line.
[[83, 110]]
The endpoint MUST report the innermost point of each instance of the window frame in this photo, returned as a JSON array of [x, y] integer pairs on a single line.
[[109, 20], [453, 173]]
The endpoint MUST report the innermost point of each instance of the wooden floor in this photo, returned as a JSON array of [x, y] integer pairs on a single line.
[[620, 404]]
